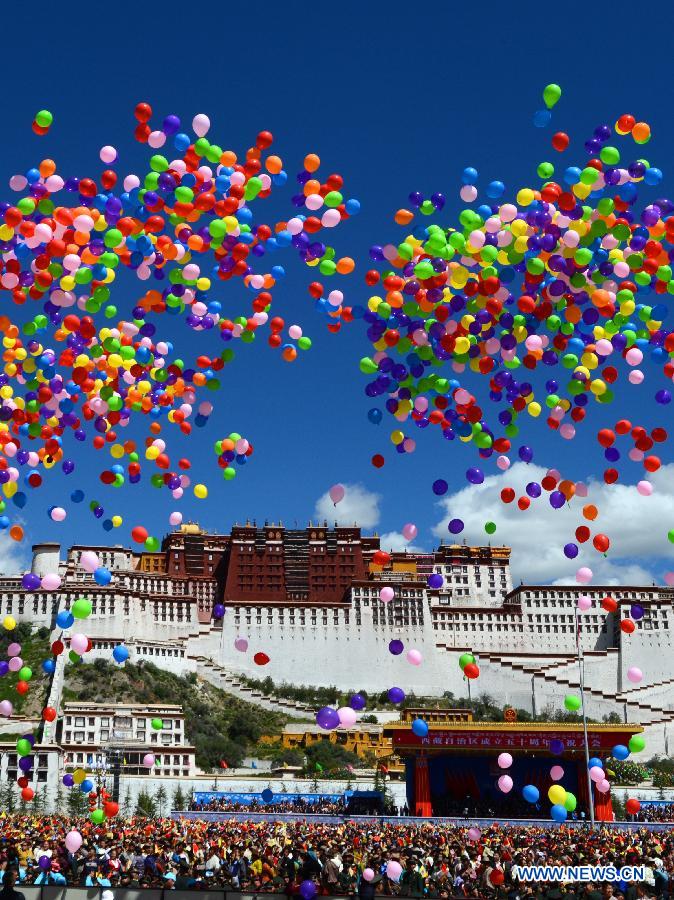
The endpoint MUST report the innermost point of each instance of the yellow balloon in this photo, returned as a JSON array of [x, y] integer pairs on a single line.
[[9, 623], [79, 775], [200, 491], [557, 794]]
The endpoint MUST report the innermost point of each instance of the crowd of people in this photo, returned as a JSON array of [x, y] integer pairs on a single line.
[[437, 860], [662, 812], [298, 805]]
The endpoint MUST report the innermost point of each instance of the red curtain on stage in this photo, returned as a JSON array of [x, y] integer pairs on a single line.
[[603, 806], [422, 788]]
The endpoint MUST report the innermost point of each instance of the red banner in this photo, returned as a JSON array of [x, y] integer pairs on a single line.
[[509, 740]]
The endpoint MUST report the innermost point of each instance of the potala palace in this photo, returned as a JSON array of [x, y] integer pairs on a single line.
[[309, 599]]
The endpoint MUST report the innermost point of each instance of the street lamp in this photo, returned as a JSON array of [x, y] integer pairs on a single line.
[[581, 678]]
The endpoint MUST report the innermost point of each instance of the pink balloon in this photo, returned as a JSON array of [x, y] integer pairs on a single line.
[[584, 603], [79, 643], [73, 841], [505, 760], [108, 154], [51, 582], [634, 356], [368, 874], [14, 649], [241, 644], [597, 774], [347, 716], [669, 578], [336, 493], [604, 787], [556, 773], [175, 518], [6, 708], [414, 657], [505, 784], [89, 561], [636, 376], [634, 675], [645, 488], [201, 124], [474, 834], [409, 531], [394, 870], [503, 463], [148, 760], [295, 332], [386, 594], [584, 575], [581, 489], [15, 664], [58, 514]]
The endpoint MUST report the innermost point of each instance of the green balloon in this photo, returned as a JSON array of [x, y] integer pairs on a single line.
[[23, 747], [44, 118], [157, 724], [551, 94], [636, 743], [25, 673], [570, 802], [490, 527], [571, 702], [81, 608], [465, 659], [97, 816], [670, 535]]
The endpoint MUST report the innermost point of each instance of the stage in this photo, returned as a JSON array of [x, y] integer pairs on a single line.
[[453, 770]]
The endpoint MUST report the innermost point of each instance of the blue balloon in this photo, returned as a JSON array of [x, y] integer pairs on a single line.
[[558, 813], [420, 728], [542, 118], [267, 795], [87, 786], [375, 415], [595, 761], [65, 619], [102, 575], [49, 666], [120, 654], [620, 751], [531, 793], [77, 496]]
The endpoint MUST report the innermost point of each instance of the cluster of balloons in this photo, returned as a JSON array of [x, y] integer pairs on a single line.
[[77, 368], [553, 297], [469, 666]]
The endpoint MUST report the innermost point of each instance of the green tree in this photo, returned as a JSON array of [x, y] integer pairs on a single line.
[[8, 798], [39, 802], [59, 800], [180, 800], [146, 805], [126, 807], [77, 803], [161, 800]]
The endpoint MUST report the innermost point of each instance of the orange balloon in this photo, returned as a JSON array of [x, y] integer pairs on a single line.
[[16, 533], [345, 265], [311, 162], [590, 512], [568, 488]]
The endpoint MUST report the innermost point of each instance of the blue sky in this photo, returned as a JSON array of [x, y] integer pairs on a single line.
[[394, 103]]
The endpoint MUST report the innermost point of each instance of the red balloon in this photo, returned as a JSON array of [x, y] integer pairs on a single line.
[[608, 604], [623, 426], [57, 648], [139, 534], [381, 558], [22, 687], [507, 495], [49, 713], [582, 534], [377, 460], [110, 808], [606, 437], [601, 543], [611, 476], [260, 659], [633, 806], [652, 463], [496, 876], [471, 670], [560, 141], [27, 794], [627, 626], [524, 503]]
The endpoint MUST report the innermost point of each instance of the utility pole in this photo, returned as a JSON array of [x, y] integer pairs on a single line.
[[581, 674]]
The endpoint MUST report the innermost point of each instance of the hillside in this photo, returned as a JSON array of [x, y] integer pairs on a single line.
[[35, 649], [220, 726]]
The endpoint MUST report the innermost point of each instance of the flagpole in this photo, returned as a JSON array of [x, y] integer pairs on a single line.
[[581, 674]]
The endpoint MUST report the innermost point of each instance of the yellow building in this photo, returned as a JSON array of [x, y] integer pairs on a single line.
[[363, 739]]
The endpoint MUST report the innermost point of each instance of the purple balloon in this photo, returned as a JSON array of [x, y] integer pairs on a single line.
[[440, 487], [571, 551], [218, 611], [396, 647], [396, 695], [68, 780], [636, 611], [327, 718], [533, 489], [30, 582], [44, 862], [557, 499], [456, 526], [474, 475], [435, 581], [308, 890], [357, 702], [556, 747], [526, 454]]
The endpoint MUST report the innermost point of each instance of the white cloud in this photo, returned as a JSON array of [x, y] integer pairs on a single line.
[[637, 526], [14, 558], [359, 506], [394, 541]]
